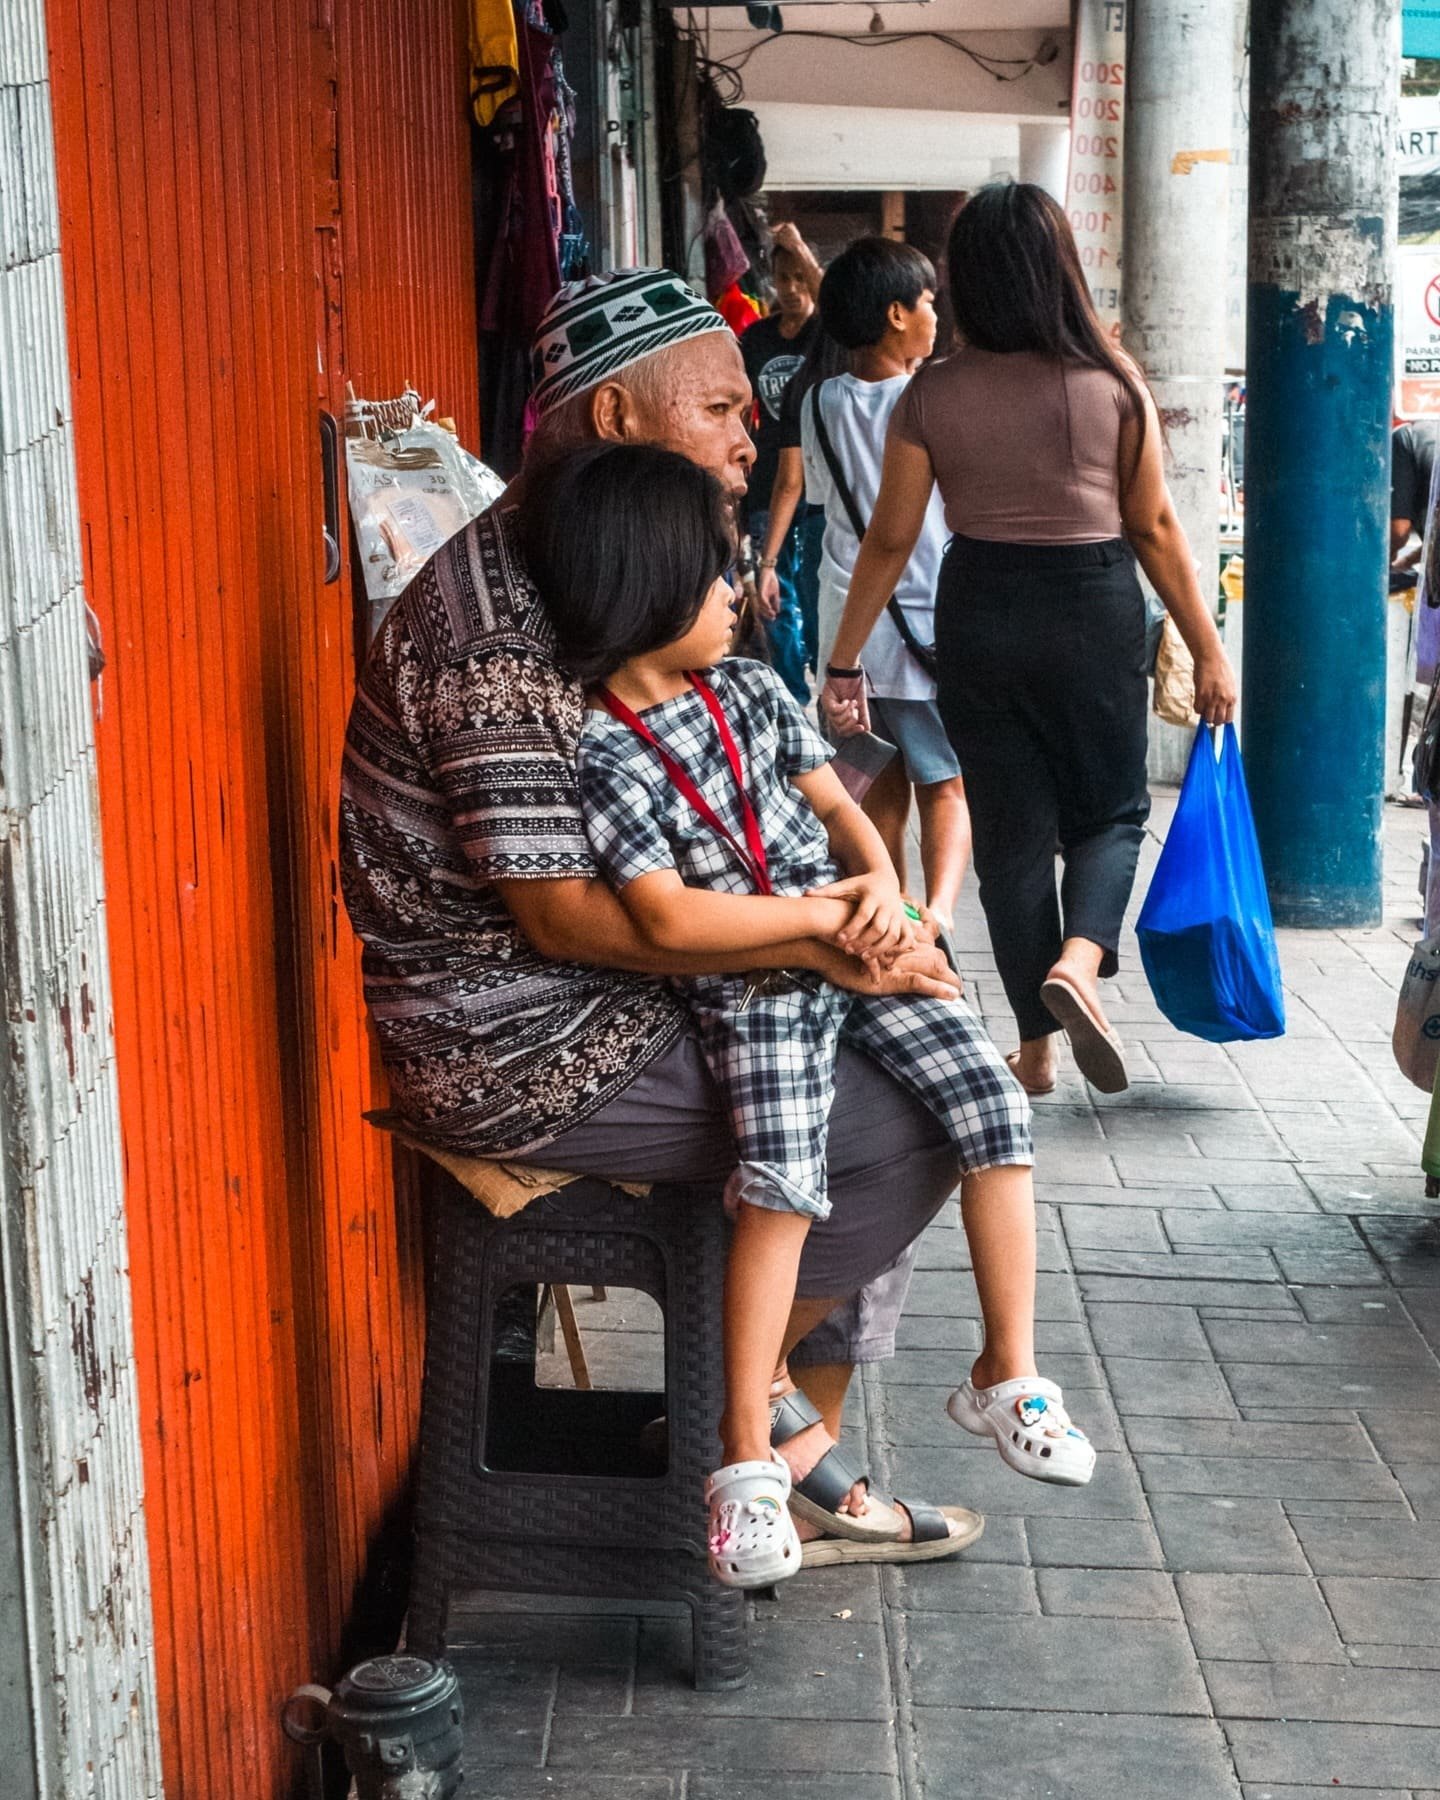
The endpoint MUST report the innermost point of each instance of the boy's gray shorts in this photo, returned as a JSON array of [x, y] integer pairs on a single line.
[[891, 1170]]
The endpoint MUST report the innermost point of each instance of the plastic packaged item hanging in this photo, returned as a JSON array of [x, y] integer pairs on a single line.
[[412, 486], [1206, 935]]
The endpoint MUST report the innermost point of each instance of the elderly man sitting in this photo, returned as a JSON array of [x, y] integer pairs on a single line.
[[519, 1013]]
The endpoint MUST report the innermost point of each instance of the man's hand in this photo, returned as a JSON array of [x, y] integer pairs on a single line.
[[844, 706], [767, 593], [1216, 690], [921, 970]]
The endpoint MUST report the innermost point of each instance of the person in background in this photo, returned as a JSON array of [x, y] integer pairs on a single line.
[[789, 505], [878, 301], [1047, 449], [1412, 464], [774, 349]]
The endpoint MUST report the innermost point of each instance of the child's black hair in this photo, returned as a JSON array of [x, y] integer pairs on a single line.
[[864, 282], [624, 541]]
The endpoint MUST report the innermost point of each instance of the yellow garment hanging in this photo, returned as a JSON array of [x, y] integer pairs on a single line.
[[494, 57]]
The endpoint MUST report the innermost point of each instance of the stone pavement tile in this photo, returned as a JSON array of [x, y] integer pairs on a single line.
[[1027, 1754], [1249, 1136], [985, 1483], [508, 1707], [1351, 1346], [822, 1593], [1394, 1656], [759, 1747], [1180, 1173], [1402, 1436], [540, 1784], [959, 1585], [1362, 1547], [1351, 1306], [1248, 1438], [1357, 1194], [1421, 1482], [1076, 1168], [1410, 1248], [1093, 1544], [935, 1291], [1208, 1535], [1156, 1386], [1346, 1509], [916, 1415], [1376, 1609], [1281, 1690], [1422, 1302], [1334, 1756], [1155, 1291], [1053, 1663], [1255, 1315], [944, 1370], [1229, 1230], [1247, 1477], [1256, 1265], [497, 1634], [801, 1669], [1184, 1095], [1123, 1198], [1263, 1384], [1317, 1266], [932, 1331], [1171, 1333], [1113, 1228], [1265, 1790], [1272, 1199], [1259, 1618], [788, 1787], [1108, 1593]]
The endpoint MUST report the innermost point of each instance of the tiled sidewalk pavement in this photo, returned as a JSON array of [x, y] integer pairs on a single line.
[[1241, 1296]]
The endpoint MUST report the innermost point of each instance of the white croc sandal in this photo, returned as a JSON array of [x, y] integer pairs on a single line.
[[1030, 1426], [753, 1541]]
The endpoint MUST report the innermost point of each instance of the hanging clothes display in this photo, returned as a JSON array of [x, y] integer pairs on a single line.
[[494, 57], [530, 236]]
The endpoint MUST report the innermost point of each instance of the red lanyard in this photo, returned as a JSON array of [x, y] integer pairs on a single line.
[[752, 851]]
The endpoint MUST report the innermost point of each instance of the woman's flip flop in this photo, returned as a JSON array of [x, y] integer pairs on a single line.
[[1099, 1054]]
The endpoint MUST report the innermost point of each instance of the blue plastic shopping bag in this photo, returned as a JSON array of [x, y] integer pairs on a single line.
[[1206, 936]]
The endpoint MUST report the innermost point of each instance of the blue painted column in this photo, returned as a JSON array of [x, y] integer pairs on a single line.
[[1324, 90]]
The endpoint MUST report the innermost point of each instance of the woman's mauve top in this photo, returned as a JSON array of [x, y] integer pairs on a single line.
[[1026, 449]]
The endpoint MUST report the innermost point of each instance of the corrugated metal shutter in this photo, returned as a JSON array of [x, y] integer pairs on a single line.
[[276, 1289]]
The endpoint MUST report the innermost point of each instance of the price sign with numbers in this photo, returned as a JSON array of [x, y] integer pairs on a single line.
[[1093, 192]]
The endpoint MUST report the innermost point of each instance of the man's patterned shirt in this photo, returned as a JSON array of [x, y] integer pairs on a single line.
[[460, 771]]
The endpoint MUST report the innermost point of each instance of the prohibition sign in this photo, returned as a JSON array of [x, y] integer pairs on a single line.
[[1432, 301]]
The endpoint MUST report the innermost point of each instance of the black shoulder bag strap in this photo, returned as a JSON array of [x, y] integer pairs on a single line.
[[924, 654]]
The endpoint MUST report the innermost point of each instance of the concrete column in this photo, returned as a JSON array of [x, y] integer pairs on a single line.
[[1045, 156], [1177, 156], [77, 1678], [1325, 83]]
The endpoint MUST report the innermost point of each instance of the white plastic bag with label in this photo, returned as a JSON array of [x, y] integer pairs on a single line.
[[410, 491]]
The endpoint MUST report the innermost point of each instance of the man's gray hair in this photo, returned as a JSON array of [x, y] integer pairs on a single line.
[[567, 427]]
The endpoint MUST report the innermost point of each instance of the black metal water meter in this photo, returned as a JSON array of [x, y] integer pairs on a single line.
[[398, 1720]]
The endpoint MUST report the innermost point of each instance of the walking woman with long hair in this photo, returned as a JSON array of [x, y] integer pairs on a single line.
[[1047, 449]]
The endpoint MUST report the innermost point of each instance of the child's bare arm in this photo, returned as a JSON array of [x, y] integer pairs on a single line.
[[878, 925], [674, 917]]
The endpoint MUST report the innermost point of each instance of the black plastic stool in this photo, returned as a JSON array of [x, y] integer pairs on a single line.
[[549, 1490]]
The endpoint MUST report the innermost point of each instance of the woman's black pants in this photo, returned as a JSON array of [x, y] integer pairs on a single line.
[[1041, 650]]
